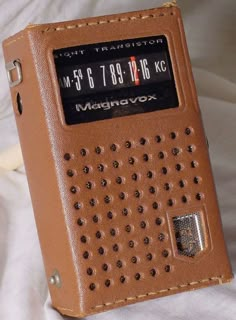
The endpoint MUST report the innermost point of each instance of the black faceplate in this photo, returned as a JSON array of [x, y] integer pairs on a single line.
[[115, 79]]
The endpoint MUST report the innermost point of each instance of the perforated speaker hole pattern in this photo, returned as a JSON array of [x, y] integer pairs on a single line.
[[120, 194]]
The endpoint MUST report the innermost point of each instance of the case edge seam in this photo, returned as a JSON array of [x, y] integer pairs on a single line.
[[89, 24], [193, 283], [100, 22], [219, 278]]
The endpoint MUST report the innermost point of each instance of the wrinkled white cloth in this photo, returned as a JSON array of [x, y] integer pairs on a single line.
[[210, 27]]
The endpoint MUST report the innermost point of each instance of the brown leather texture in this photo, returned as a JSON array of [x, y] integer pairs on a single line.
[[105, 214]]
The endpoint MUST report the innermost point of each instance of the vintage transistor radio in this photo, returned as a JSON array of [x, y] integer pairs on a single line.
[[117, 159]]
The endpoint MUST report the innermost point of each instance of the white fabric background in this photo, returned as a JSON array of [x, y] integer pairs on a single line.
[[210, 27]]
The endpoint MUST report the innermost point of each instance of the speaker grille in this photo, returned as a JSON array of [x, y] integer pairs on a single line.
[[120, 193]]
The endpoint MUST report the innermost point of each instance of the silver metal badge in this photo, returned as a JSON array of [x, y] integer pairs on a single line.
[[189, 234]]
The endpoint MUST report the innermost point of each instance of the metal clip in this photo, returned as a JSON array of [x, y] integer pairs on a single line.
[[14, 65]]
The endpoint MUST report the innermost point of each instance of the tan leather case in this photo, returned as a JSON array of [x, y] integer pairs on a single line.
[[109, 251]]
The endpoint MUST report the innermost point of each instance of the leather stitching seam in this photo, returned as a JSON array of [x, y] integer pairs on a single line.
[[14, 40], [178, 287], [101, 22], [160, 291], [95, 23]]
